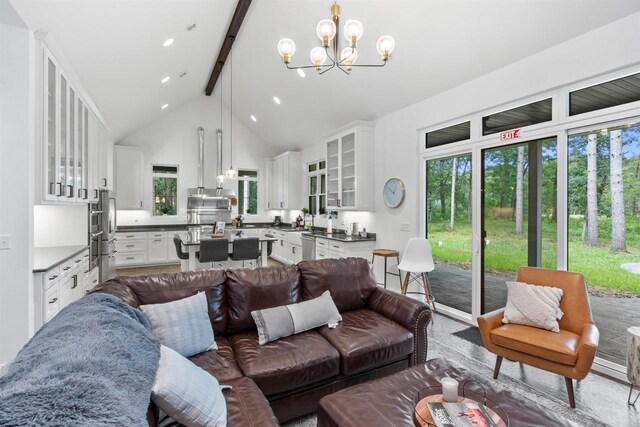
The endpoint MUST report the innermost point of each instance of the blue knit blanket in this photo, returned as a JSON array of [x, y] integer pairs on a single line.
[[92, 365]]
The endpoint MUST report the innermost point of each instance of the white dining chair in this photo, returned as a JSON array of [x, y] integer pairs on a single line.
[[417, 263]]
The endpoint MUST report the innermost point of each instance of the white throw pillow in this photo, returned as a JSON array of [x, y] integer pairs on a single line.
[[532, 305], [182, 325], [188, 393]]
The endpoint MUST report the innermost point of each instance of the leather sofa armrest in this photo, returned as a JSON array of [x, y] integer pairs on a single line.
[[123, 292], [409, 313], [488, 322], [587, 346]]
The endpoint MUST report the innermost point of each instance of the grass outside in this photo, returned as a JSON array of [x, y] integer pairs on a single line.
[[506, 251]]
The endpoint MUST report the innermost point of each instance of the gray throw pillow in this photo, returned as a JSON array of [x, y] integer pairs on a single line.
[[187, 393], [182, 325], [280, 322]]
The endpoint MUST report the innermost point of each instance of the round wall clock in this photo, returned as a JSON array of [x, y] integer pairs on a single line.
[[394, 192]]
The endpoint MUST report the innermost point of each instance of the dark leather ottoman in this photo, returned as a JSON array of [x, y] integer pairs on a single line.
[[388, 401]]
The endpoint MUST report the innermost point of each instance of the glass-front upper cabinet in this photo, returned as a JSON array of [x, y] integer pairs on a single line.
[[348, 169], [81, 182], [72, 162], [350, 163], [64, 143], [51, 155], [333, 173]]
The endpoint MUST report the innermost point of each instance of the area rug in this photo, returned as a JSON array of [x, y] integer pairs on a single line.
[[454, 347]]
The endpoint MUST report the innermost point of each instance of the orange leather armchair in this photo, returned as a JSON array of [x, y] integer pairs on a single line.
[[569, 353]]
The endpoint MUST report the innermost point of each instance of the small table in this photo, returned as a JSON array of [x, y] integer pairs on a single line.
[[388, 401], [191, 240]]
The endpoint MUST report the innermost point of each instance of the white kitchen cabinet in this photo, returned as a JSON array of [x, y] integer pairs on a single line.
[[61, 285], [350, 169], [285, 181], [295, 253], [157, 248], [66, 140], [106, 164], [129, 186], [329, 248]]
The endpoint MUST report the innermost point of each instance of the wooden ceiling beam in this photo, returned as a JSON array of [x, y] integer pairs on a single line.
[[234, 28]]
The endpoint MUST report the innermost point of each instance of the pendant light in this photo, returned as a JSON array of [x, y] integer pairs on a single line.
[[220, 178], [231, 173]]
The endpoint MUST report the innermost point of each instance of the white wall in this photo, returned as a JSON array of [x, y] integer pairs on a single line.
[[60, 225], [16, 182], [397, 143], [173, 140]]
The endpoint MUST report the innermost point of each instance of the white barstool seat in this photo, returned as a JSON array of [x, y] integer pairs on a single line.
[[417, 262]]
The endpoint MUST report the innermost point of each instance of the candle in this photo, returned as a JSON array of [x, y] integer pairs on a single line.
[[449, 389]]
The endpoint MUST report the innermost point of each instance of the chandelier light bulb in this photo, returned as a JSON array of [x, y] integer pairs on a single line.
[[318, 57], [220, 179], [348, 56], [385, 46], [353, 31], [231, 173], [326, 31], [286, 49]]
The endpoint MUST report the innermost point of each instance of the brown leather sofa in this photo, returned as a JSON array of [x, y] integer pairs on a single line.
[[382, 332], [569, 353]]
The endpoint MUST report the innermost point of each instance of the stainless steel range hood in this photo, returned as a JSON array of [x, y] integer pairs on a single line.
[[208, 206]]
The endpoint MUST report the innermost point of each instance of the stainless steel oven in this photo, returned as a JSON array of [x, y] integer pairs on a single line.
[[95, 235], [108, 238]]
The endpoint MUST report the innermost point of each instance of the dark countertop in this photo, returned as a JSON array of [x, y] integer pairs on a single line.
[[184, 227], [342, 237], [45, 258]]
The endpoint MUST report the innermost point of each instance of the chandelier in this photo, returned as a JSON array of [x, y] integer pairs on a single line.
[[328, 33]]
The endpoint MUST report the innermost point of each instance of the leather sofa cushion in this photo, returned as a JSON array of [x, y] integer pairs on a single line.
[[162, 288], [256, 289], [288, 363], [349, 280], [220, 363], [557, 347], [246, 406], [366, 340]]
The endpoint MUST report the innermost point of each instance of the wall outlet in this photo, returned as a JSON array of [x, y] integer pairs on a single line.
[[5, 241], [405, 226]]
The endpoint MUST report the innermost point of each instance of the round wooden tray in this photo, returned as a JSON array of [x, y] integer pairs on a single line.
[[422, 415]]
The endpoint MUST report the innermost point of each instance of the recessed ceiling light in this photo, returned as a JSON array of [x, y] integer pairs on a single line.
[[166, 79], [276, 100], [164, 106], [301, 73], [167, 42], [254, 118]]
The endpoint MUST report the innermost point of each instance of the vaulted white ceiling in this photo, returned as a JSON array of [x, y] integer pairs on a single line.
[[115, 47]]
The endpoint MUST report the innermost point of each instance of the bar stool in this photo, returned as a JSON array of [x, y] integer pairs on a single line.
[[213, 250], [179, 252], [246, 249], [417, 262], [387, 253]]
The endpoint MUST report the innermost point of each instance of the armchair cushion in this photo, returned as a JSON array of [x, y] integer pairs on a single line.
[[561, 347], [531, 305]]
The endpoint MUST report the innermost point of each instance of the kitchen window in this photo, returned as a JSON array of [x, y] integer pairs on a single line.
[[317, 187], [165, 190], [247, 192]]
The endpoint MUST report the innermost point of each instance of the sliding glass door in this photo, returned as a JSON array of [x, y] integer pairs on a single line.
[[604, 228], [519, 214], [449, 229]]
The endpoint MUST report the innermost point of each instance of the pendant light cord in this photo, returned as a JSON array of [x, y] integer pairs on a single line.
[[231, 107]]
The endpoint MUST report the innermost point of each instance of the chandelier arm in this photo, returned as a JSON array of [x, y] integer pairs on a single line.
[[324, 71], [343, 70], [370, 65], [300, 67]]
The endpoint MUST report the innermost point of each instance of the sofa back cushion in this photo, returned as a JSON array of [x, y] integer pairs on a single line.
[[257, 289], [162, 288], [349, 280]]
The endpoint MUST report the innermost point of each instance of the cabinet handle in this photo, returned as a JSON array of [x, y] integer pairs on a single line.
[[338, 202], [104, 182], [281, 204], [293, 249], [158, 240], [86, 194], [95, 193], [281, 242], [53, 277], [58, 189], [130, 257], [66, 268], [53, 300], [75, 282], [131, 246], [70, 192], [337, 247], [130, 236], [268, 204]]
